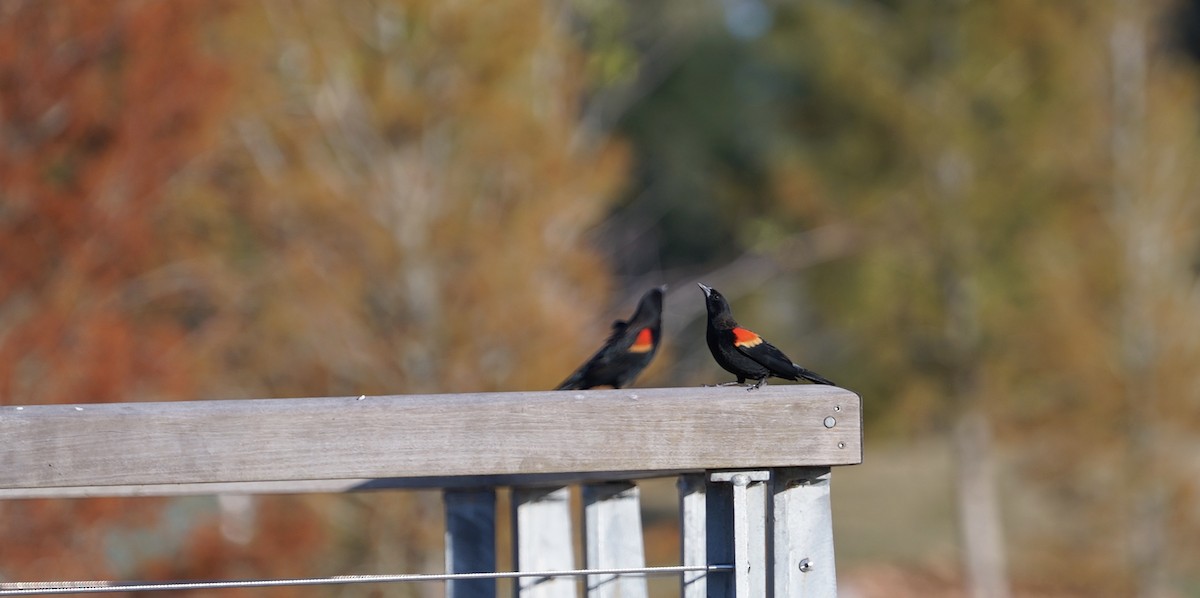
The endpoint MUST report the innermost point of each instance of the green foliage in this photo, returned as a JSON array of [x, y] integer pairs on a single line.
[[974, 143], [1009, 255]]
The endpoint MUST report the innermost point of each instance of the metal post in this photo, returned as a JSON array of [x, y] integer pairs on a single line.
[[737, 523], [470, 540], [802, 555], [542, 541], [693, 534], [613, 539]]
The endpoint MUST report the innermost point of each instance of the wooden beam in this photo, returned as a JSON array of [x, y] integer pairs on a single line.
[[159, 448], [334, 486]]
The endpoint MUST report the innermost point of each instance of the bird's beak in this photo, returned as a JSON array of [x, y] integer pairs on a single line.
[[707, 289]]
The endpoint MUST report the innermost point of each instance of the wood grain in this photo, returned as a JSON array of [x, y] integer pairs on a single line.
[[335, 444]]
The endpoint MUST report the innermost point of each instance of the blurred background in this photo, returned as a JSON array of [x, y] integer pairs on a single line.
[[980, 216]]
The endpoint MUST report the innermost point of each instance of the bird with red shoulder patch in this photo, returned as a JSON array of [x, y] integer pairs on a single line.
[[744, 353], [628, 350]]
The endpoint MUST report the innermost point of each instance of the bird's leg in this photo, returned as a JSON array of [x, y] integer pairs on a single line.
[[756, 385], [723, 384]]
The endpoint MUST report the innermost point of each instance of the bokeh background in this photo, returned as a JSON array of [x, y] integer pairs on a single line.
[[980, 216]]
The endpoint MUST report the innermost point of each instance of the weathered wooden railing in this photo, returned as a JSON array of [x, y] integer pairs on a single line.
[[753, 471]]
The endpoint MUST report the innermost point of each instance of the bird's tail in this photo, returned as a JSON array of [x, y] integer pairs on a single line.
[[573, 382], [812, 376]]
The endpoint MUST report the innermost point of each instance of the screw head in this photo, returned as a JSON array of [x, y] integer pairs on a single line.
[[830, 422], [806, 565]]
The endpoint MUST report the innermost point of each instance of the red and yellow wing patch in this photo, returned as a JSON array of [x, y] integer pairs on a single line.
[[643, 343], [745, 338]]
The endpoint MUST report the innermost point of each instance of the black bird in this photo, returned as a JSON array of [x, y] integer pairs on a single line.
[[744, 353], [629, 348]]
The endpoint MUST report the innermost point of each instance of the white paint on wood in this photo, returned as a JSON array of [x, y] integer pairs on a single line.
[[803, 533], [542, 541], [144, 445], [613, 539]]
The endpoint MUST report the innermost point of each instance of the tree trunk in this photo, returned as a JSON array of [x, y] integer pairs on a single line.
[[979, 522], [1140, 230], [978, 508]]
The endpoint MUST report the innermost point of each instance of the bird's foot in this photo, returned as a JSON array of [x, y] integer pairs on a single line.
[[757, 385]]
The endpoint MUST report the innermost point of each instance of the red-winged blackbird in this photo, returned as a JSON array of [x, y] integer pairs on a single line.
[[628, 349], [744, 353]]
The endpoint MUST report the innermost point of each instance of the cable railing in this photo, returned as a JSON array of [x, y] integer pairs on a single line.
[[46, 588], [753, 475]]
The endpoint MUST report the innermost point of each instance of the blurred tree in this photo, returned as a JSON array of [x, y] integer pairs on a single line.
[[1119, 282], [389, 198], [901, 122], [419, 182], [691, 88], [956, 135], [102, 106], [966, 147], [696, 103], [419, 168]]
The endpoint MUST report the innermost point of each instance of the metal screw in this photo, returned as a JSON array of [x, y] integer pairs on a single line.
[[837, 407], [830, 422], [806, 565], [841, 445], [741, 479]]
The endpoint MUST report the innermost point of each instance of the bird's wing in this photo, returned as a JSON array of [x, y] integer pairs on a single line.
[[642, 342], [767, 355], [617, 343], [598, 360], [618, 339]]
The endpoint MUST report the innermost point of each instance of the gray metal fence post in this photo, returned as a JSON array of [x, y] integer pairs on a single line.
[[737, 528], [718, 537], [470, 540], [613, 539], [693, 533], [542, 541], [802, 555]]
